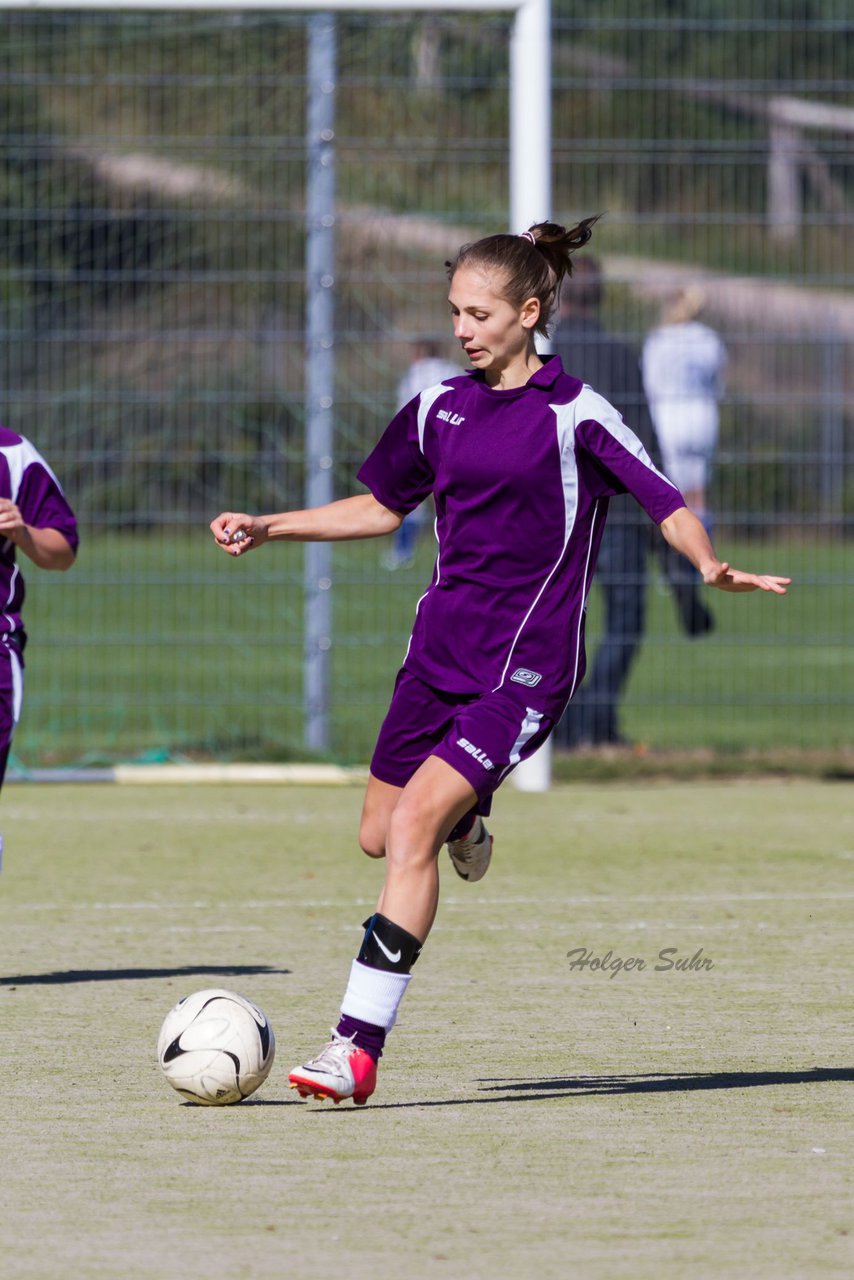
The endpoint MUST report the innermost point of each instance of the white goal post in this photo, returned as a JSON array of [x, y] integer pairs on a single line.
[[530, 200]]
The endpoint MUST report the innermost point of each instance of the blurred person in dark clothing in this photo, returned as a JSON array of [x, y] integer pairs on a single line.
[[612, 367]]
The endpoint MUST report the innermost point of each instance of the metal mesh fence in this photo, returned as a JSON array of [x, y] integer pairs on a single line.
[[152, 259]]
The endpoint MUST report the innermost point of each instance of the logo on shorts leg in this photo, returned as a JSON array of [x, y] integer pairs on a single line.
[[523, 676], [480, 756]]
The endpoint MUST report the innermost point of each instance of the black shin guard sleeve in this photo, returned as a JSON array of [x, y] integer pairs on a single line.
[[387, 946]]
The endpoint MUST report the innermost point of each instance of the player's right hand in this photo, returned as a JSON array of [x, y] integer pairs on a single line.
[[236, 533], [11, 521]]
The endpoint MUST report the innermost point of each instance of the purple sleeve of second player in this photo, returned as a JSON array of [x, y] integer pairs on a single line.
[[43, 504]]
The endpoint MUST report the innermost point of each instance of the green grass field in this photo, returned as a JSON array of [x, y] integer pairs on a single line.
[[531, 1119], [159, 644]]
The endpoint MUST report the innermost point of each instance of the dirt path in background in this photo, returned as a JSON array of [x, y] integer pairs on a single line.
[[743, 300]]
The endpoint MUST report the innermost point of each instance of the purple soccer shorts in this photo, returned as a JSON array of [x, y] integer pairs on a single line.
[[482, 736]]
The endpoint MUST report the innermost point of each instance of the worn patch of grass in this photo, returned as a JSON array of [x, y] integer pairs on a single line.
[[531, 1118]]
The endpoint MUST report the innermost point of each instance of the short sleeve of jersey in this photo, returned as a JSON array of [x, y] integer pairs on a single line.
[[42, 502], [396, 471], [602, 433]]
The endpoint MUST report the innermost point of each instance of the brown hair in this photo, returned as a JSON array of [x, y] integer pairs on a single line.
[[532, 264]]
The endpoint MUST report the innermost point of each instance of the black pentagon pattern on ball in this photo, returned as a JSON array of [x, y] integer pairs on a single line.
[[174, 1051], [264, 1033]]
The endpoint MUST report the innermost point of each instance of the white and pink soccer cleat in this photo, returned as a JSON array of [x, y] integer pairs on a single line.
[[341, 1070]]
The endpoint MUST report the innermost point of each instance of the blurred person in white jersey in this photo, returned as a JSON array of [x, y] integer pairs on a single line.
[[36, 519], [521, 459], [428, 368], [683, 363]]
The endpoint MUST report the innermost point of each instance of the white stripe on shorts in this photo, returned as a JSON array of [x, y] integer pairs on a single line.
[[17, 685], [530, 726]]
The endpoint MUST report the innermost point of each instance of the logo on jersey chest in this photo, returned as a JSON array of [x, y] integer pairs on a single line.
[[523, 676], [453, 418]]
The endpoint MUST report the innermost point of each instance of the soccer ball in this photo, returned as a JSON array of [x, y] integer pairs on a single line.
[[216, 1047]]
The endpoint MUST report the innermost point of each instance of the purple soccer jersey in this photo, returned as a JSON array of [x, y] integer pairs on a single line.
[[521, 481], [27, 479]]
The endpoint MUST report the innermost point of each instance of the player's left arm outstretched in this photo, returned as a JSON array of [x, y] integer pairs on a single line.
[[686, 535]]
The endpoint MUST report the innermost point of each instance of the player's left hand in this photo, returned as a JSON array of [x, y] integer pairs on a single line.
[[12, 523], [720, 575]]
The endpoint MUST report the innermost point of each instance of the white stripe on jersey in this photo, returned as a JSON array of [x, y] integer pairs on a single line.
[[585, 592], [434, 580], [590, 405], [18, 458], [426, 400], [565, 425], [11, 596]]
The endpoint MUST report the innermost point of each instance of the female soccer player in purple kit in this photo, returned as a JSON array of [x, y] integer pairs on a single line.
[[521, 459], [34, 518]]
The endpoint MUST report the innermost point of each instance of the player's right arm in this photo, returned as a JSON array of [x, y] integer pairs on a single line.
[[48, 548], [349, 518]]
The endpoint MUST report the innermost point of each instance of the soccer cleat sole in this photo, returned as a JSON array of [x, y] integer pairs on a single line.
[[309, 1091], [464, 874]]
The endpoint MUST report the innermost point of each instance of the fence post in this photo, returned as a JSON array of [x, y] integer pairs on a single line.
[[319, 369]]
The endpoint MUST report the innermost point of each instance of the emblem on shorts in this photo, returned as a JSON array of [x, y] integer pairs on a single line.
[[480, 756], [523, 676]]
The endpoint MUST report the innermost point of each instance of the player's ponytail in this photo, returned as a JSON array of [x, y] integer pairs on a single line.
[[533, 264]]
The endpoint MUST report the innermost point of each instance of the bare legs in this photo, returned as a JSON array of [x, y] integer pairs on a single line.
[[408, 825]]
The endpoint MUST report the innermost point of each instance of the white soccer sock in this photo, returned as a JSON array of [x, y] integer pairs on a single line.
[[373, 995]]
